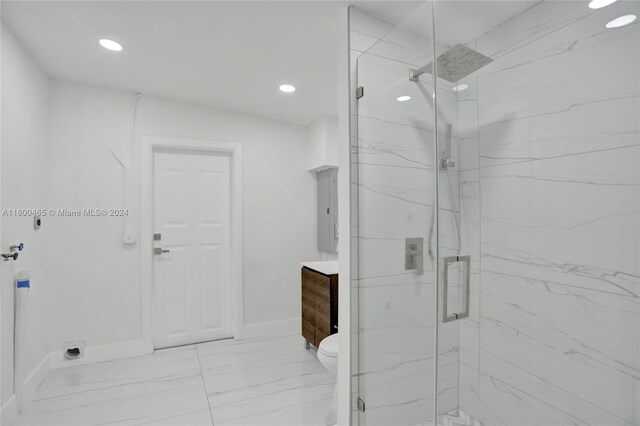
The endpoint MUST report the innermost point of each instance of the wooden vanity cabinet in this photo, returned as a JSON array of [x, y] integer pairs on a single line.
[[319, 305]]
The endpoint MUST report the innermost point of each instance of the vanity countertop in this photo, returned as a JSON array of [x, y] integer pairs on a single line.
[[327, 267]]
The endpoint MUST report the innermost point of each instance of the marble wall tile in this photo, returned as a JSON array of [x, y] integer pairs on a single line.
[[570, 348], [381, 38], [565, 219], [570, 88], [468, 382], [559, 149]]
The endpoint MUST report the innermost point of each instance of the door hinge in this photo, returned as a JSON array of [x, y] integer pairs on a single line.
[[359, 92], [361, 406]]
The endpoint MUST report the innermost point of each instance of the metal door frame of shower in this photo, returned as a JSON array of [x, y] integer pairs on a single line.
[[436, 214]]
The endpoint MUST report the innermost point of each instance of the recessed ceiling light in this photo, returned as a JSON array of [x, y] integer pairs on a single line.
[[110, 44], [403, 98], [460, 88], [599, 4], [287, 88], [621, 21]]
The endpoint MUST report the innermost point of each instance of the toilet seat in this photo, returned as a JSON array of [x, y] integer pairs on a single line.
[[329, 346]]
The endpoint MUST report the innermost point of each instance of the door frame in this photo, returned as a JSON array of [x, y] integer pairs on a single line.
[[148, 147]]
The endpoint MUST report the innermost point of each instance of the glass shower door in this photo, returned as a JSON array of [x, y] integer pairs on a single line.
[[394, 185], [497, 227]]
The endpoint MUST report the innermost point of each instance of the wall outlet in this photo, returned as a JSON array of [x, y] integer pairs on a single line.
[[73, 350], [129, 236]]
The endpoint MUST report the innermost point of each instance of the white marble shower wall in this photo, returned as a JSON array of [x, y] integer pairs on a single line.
[[556, 159], [395, 190]]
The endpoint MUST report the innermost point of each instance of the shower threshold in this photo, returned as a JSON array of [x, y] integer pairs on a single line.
[[456, 417]]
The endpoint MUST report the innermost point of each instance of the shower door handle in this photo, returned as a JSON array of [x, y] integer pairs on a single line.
[[443, 280]]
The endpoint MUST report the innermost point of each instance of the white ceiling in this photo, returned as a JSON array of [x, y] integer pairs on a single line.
[[230, 55], [225, 54]]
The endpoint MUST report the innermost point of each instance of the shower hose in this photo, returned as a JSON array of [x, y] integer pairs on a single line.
[[456, 218]]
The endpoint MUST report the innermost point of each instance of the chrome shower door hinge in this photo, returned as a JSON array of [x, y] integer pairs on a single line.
[[361, 406]]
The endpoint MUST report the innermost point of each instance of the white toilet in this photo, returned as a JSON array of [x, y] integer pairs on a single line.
[[328, 357], [328, 353]]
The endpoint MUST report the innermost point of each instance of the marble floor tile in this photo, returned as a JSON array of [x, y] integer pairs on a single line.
[[269, 382], [162, 363], [251, 382], [195, 418], [134, 403]]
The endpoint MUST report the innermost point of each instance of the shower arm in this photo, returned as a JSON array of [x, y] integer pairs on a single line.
[[414, 74]]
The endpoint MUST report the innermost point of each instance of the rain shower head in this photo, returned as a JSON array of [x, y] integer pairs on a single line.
[[454, 64]]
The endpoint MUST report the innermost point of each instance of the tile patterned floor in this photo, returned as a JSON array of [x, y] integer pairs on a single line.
[[459, 418], [253, 382]]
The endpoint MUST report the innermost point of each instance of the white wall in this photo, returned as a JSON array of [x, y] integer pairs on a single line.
[[62, 147], [23, 156], [322, 140], [97, 284], [279, 198], [101, 281], [66, 146]]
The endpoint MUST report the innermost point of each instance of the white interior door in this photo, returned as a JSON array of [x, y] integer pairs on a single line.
[[191, 280]]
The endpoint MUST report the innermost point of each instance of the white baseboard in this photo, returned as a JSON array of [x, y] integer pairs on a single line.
[[102, 353], [9, 411], [55, 360], [271, 329]]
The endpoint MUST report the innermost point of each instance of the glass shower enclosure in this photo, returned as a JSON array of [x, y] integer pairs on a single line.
[[496, 194]]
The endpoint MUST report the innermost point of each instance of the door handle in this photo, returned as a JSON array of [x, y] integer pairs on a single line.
[[443, 280], [159, 250]]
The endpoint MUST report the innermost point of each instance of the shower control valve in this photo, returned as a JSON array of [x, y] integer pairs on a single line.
[[447, 163]]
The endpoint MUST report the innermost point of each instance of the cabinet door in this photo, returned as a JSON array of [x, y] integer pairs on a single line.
[[322, 306], [334, 304], [308, 301]]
